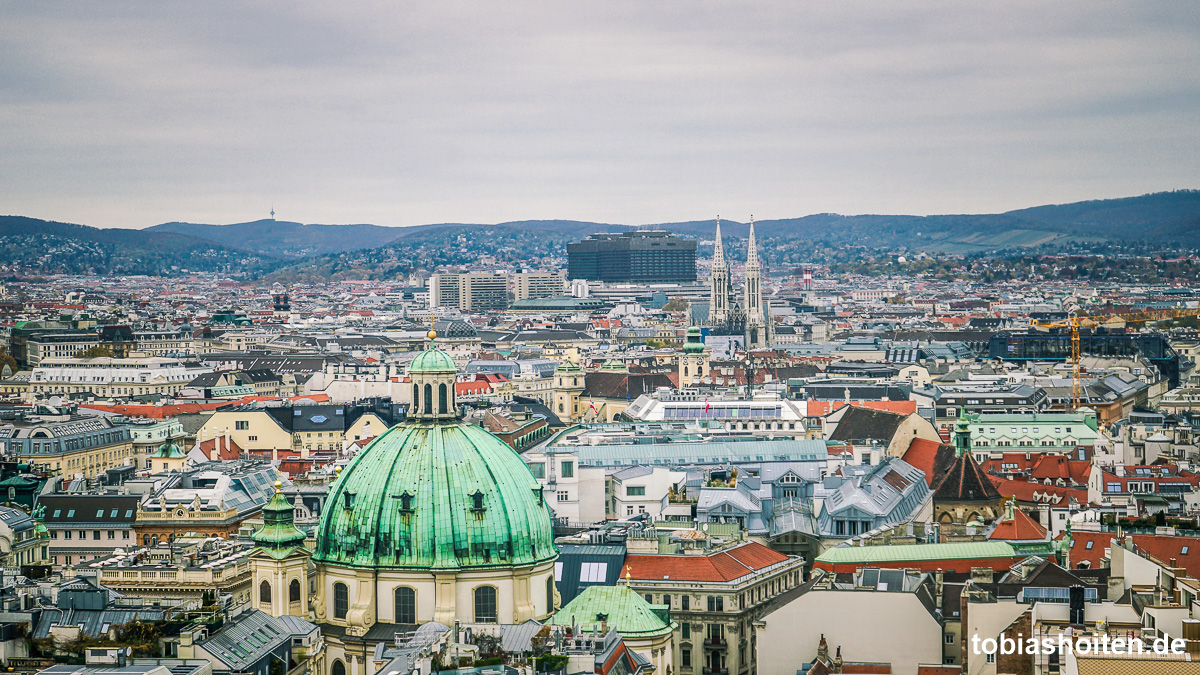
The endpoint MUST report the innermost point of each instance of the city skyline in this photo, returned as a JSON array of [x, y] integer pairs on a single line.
[[133, 115]]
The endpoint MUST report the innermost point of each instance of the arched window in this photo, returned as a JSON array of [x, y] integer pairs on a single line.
[[338, 668], [264, 591], [485, 604], [442, 404], [416, 397], [685, 370], [294, 591], [429, 399], [341, 600], [550, 594], [406, 605]]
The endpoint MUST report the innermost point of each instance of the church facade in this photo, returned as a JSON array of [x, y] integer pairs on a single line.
[[743, 315]]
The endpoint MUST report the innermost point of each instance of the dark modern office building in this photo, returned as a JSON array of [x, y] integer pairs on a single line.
[[633, 257]]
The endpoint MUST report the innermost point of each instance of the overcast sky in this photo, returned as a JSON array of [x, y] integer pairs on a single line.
[[128, 114]]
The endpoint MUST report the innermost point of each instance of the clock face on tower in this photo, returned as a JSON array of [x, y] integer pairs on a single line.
[[179, 513]]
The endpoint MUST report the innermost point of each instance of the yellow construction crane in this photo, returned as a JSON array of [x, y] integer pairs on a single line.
[[1074, 322]]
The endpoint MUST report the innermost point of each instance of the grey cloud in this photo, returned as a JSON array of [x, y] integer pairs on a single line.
[[128, 114]]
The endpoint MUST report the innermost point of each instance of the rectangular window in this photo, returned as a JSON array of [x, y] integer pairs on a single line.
[[568, 469], [593, 572], [685, 602], [564, 496], [686, 630], [685, 656], [949, 639], [538, 469], [635, 491]]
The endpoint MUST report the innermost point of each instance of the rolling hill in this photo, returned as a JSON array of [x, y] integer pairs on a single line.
[[316, 251], [42, 247]]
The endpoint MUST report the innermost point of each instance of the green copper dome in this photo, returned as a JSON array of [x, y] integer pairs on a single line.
[[435, 496], [279, 534], [169, 450], [432, 360], [695, 341]]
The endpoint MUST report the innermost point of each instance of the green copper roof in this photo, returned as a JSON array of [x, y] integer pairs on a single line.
[[169, 450], [623, 608], [435, 496], [917, 552], [432, 360], [695, 342], [279, 535]]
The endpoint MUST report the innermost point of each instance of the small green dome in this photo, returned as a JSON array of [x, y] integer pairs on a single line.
[[169, 450], [432, 360], [695, 341], [435, 496], [279, 534]]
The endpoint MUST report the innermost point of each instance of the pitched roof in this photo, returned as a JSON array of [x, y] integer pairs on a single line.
[[917, 552], [725, 565], [1020, 528], [931, 457], [1027, 491], [625, 610], [823, 408], [965, 481], [620, 385], [220, 448], [1161, 547], [1055, 466], [859, 423]]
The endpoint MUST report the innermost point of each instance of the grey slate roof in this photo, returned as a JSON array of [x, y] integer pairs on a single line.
[[248, 637]]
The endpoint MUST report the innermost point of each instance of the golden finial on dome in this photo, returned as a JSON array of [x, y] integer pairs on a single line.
[[432, 335], [278, 485]]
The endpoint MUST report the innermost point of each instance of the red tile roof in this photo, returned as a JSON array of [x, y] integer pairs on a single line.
[[1160, 547], [726, 565], [220, 448], [1028, 492], [939, 670], [1058, 466], [157, 412], [823, 408], [1020, 528], [923, 455]]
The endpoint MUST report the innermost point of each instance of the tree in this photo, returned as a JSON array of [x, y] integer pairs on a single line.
[[676, 304], [6, 359], [90, 352]]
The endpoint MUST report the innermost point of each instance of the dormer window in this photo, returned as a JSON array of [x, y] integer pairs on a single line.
[[406, 502], [477, 501], [348, 500]]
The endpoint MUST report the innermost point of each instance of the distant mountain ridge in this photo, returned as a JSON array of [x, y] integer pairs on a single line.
[[1160, 217], [265, 245], [44, 246]]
